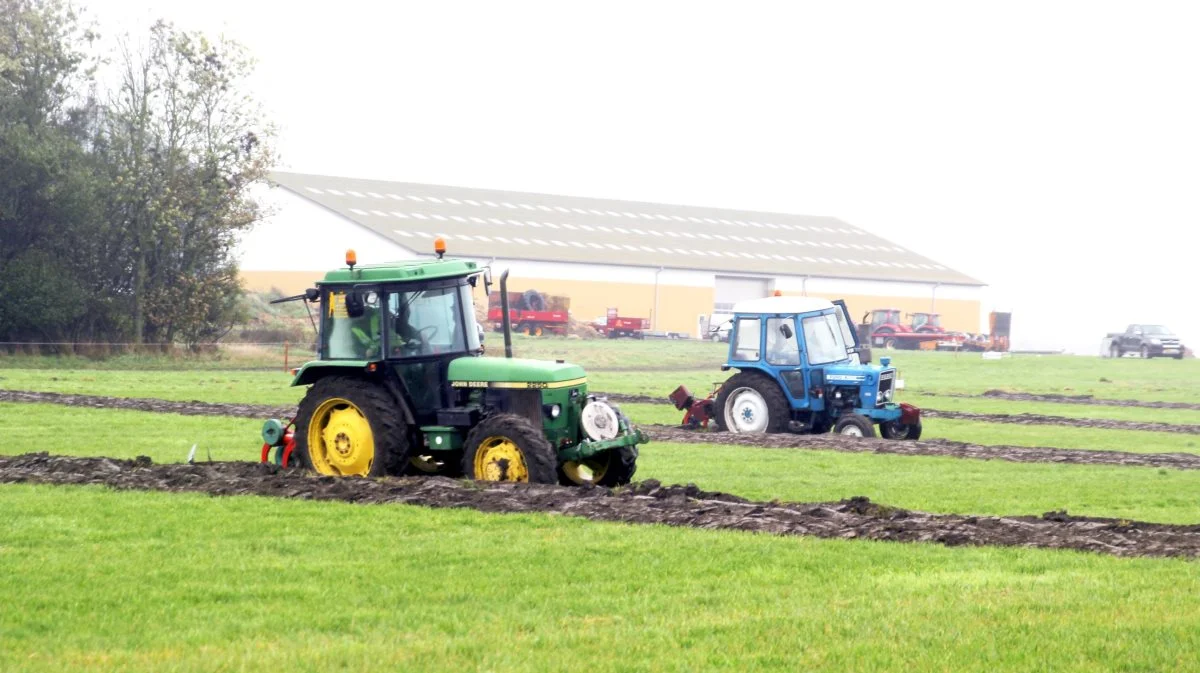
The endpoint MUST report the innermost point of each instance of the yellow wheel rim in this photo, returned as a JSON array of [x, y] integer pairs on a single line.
[[500, 459], [587, 471], [340, 442]]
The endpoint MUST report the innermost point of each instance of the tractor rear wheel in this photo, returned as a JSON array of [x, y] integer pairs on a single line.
[[508, 447], [346, 426], [898, 430], [854, 425], [751, 402]]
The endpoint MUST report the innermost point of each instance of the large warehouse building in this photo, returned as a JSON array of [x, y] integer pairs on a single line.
[[676, 265]]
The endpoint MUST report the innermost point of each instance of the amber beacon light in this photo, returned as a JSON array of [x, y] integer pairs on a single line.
[[439, 246], [351, 258]]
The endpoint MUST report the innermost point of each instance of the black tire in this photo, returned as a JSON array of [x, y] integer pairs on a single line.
[[850, 422], [898, 430], [1146, 353], [889, 344], [1178, 356], [822, 427], [540, 459], [778, 410], [377, 405]]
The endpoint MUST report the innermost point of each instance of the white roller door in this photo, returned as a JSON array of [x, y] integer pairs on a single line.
[[732, 289]]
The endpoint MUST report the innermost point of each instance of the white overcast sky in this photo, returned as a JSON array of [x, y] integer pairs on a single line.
[[1050, 149]]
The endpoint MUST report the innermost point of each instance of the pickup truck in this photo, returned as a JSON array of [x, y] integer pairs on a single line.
[[1149, 341]]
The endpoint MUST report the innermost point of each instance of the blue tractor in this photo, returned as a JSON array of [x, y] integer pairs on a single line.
[[800, 368]]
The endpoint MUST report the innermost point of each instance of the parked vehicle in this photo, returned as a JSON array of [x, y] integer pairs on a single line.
[[1148, 341], [531, 312], [614, 325]]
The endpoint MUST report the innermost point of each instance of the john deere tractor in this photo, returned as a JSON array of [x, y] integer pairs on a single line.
[[401, 385]]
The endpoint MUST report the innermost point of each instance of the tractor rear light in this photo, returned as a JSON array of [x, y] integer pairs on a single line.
[[372, 367]]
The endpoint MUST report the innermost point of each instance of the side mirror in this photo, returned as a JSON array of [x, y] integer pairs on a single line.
[[786, 330], [312, 294]]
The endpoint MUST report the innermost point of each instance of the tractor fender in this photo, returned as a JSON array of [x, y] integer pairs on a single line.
[[315, 371]]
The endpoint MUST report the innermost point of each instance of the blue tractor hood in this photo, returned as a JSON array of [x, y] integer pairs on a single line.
[[849, 374]]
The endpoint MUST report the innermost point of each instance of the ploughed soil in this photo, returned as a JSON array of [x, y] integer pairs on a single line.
[[260, 411], [1079, 399], [931, 447], [669, 433], [1022, 419], [643, 502]]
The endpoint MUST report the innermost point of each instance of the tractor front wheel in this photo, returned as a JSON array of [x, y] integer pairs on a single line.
[[614, 467], [751, 402], [854, 425], [346, 426], [898, 430], [508, 447]]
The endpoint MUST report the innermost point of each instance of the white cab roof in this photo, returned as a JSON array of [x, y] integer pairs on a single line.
[[782, 305]]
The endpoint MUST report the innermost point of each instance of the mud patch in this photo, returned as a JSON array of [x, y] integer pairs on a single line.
[[194, 408], [1077, 399], [648, 502], [933, 447]]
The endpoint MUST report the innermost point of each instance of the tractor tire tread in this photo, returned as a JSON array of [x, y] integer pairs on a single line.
[[540, 458], [387, 427], [778, 410]]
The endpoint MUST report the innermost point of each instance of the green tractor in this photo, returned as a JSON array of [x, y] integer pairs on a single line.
[[400, 385]]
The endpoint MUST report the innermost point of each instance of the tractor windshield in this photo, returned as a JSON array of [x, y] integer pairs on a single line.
[[432, 321], [823, 339]]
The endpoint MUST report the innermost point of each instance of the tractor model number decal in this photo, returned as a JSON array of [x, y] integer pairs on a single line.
[[844, 377], [537, 385]]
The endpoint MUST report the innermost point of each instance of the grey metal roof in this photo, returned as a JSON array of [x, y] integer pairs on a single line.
[[518, 225]]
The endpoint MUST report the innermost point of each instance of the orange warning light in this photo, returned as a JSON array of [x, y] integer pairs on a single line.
[[778, 293], [439, 246], [351, 258]]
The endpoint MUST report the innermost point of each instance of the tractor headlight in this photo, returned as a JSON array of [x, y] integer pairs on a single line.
[[553, 410]]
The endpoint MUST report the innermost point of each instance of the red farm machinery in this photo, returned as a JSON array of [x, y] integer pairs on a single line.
[[615, 325], [531, 312]]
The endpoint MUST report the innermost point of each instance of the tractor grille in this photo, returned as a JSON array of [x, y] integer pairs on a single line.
[[887, 381]]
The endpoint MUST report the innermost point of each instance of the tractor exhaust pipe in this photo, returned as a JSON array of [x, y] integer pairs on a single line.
[[506, 321]]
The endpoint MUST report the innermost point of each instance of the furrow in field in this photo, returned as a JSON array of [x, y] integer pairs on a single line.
[[1076, 399], [933, 447], [1021, 419], [647, 502]]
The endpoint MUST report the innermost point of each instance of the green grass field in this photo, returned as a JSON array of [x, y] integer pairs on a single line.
[[191, 583], [107, 581]]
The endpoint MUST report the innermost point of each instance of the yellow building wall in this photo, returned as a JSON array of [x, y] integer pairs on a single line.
[[678, 305], [957, 314]]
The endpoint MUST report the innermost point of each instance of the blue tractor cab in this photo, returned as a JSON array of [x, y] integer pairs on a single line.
[[801, 368]]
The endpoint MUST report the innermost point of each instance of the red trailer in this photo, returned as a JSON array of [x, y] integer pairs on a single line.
[[531, 313], [882, 328], [616, 326]]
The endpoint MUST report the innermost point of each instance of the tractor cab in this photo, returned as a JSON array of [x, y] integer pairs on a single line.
[[926, 322], [802, 368], [883, 317]]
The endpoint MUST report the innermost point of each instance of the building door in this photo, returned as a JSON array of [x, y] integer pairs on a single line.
[[732, 289]]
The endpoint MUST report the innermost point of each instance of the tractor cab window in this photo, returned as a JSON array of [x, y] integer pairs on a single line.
[[782, 345], [428, 322], [749, 333], [823, 339], [348, 337]]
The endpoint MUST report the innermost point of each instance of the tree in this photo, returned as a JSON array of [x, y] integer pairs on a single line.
[[184, 147], [119, 211]]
